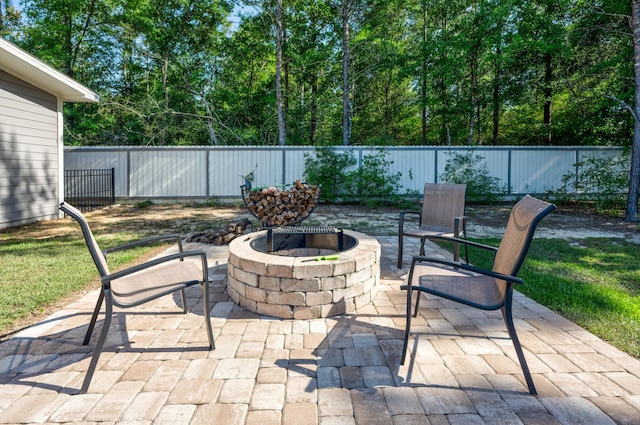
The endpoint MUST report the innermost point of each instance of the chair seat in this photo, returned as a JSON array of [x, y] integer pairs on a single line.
[[478, 291], [154, 282]]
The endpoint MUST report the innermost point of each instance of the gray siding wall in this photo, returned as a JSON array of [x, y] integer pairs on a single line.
[[29, 155]]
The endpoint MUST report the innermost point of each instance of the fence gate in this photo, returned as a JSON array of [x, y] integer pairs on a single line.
[[89, 189]]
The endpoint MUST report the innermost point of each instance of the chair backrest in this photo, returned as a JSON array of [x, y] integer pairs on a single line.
[[94, 249], [524, 218], [441, 204]]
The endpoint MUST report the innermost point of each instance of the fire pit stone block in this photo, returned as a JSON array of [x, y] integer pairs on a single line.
[[298, 287]]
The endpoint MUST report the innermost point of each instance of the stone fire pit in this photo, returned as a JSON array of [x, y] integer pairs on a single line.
[[294, 285]]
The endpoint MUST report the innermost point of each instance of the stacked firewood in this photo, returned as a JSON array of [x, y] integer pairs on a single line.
[[224, 235], [286, 207]]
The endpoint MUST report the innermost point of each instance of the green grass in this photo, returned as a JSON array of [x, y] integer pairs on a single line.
[[37, 272], [594, 283]]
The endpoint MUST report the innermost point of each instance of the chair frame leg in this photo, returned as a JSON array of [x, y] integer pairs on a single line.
[[415, 312], [101, 340], [508, 319], [94, 317], [407, 330], [183, 298], [206, 312], [400, 242]]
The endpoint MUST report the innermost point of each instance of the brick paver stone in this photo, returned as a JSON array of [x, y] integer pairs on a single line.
[[334, 402], [236, 391], [236, 369], [264, 417], [267, 397], [621, 412], [301, 390], [111, 406], [369, 407], [227, 414], [172, 414], [32, 408], [145, 407], [443, 400], [195, 391], [576, 411], [300, 414], [411, 420], [402, 401]]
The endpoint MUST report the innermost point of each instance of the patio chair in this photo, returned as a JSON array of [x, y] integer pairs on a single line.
[[481, 288], [442, 217], [141, 283]]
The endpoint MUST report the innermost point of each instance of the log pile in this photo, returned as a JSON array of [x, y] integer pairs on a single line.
[[287, 207], [224, 235]]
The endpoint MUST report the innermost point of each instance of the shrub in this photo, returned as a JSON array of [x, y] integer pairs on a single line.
[[328, 168], [373, 184], [470, 169], [603, 180]]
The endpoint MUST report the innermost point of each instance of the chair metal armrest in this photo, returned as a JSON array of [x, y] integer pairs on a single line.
[[157, 261], [146, 241], [404, 213], [465, 242], [468, 267]]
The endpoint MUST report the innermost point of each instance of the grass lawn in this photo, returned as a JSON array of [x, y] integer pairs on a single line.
[[46, 265], [38, 273], [593, 282]]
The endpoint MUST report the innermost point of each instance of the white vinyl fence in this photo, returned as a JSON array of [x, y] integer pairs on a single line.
[[202, 172]]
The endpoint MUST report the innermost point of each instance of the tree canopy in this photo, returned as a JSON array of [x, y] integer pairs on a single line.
[[359, 72]]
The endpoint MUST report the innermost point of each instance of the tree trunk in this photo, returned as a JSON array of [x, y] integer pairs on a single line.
[[423, 82], [279, 37], [313, 127], [634, 174], [474, 94], [548, 75], [496, 99], [285, 64], [346, 105]]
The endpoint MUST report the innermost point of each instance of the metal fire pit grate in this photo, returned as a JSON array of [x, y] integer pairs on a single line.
[[303, 240]]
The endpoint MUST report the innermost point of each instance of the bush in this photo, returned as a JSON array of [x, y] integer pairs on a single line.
[[328, 168], [470, 169], [603, 180], [371, 184]]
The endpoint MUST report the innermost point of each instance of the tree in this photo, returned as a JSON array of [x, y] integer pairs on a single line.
[[9, 19], [634, 174], [279, 12], [346, 103]]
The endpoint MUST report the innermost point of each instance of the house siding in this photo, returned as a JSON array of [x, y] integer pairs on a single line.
[[29, 153]]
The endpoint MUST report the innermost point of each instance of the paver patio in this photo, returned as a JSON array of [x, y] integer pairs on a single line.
[[339, 370]]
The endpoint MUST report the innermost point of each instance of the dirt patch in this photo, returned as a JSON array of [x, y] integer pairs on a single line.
[[483, 221], [567, 222]]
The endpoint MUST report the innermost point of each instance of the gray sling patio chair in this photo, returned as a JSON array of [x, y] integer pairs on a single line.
[[481, 288], [141, 283], [442, 217]]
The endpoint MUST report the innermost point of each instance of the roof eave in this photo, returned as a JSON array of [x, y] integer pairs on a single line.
[[32, 70]]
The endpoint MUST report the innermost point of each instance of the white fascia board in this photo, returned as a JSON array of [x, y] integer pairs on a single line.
[[27, 67]]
